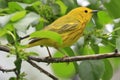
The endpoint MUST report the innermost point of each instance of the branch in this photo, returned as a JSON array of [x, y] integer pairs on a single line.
[[42, 70], [69, 59], [74, 58], [8, 70], [4, 48]]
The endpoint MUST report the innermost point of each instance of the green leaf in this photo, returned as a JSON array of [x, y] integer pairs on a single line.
[[12, 78], [94, 44], [34, 6], [109, 45], [108, 70], [18, 65], [56, 9], [62, 6], [14, 6], [40, 24], [118, 43], [91, 70], [97, 22], [116, 63], [106, 49], [70, 3], [47, 34], [117, 29], [21, 77], [95, 48], [86, 49], [3, 4], [113, 7], [29, 1], [104, 18], [7, 27], [24, 55], [2, 32], [10, 38], [70, 52], [18, 15], [63, 70], [94, 4], [32, 54]]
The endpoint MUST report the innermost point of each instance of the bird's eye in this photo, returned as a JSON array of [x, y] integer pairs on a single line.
[[86, 11]]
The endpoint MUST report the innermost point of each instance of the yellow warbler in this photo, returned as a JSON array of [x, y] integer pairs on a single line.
[[70, 27]]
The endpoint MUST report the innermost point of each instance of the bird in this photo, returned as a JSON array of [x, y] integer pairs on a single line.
[[70, 27]]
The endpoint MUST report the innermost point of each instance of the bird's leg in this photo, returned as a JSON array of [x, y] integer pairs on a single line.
[[49, 52]]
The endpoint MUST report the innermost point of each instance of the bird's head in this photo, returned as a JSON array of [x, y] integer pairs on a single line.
[[82, 13]]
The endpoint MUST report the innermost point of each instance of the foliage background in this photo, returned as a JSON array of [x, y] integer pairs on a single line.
[[100, 36]]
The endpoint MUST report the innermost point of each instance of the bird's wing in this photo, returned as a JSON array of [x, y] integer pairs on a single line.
[[64, 28]]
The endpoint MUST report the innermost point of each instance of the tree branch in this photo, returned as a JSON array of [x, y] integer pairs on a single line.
[[69, 59], [42, 70], [7, 70], [74, 58], [4, 48]]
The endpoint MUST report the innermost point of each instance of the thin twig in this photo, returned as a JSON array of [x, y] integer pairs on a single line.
[[8, 70], [4, 48], [21, 38], [24, 37], [49, 52], [75, 58], [42, 70]]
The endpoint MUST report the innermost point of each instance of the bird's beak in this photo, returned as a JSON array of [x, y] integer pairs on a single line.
[[94, 11]]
